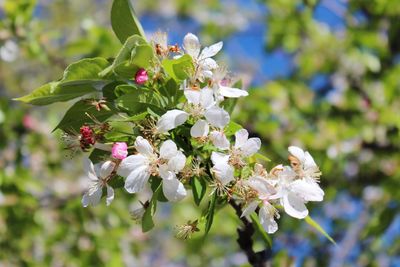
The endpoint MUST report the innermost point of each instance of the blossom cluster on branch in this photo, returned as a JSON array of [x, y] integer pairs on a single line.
[[158, 116]]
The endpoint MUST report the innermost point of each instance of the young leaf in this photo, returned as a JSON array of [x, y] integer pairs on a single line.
[[52, 92], [80, 78], [147, 220], [317, 227], [124, 21], [199, 188], [180, 68], [210, 213], [77, 115]]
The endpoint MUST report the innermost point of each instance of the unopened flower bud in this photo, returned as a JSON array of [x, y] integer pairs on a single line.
[[141, 76], [119, 150]]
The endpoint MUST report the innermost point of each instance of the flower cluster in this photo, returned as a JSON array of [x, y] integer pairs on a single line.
[[230, 169]]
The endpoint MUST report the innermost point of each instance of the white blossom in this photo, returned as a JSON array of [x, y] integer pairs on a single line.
[[98, 175], [303, 163], [203, 61], [138, 168], [221, 87]]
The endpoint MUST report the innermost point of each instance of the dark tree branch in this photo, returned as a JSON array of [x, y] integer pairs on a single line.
[[256, 259]]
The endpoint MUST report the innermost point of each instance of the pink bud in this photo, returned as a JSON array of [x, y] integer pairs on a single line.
[[141, 76], [119, 150]]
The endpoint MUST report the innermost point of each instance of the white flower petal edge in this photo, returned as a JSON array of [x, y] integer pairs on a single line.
[[97, 175], [171, 119]]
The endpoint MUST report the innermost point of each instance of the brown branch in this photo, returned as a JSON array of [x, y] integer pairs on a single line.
[[256, 259]]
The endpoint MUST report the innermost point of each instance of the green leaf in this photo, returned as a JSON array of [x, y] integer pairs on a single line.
[[316, 226], [76, 115], [137, 102], [124, 21], [84, 71], [121, 131], [180, 68], [98, 155], [80, 78], [260, 230], [199, 188], [232, 128], [142, 57], [53, 92], [262, 157], [147, 220], [210, 213]]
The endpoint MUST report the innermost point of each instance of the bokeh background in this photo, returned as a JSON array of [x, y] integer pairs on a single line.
[[324, 75]]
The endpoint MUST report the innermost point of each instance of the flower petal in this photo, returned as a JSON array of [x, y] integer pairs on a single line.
[[267, 221], [131, 163], [143, 146], [251, 146], [232, 92], [209, 64], [217, 117], [200, 129], [207, 98], [105, 169], [219, 140], [224, 172], [168, 149], [89, 170], [294, 206], [92, 197], [191, 45], [308, 190], [261, 185], [171, 119], [210, 51], [177, 163], [297, 152], [173, 189], [217, 157], [309, 161], [241, 137], [193, 96], [249, 208], [110, 195], [136, 180]]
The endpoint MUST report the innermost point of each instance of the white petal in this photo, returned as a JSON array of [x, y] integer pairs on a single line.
[[206, 98], [171, 119], [308, 190], [136, 180], [89, 170], [217, 157], [177, 163], [232, 92], [241, 137], [106, 168], [209, 64], [219, 140], [261, 185], [92, 198], [217, 117], [224, 172], [173, 190], [131, 163], [110, 195], [294, 206], [309, 161], [168, 149], [251, 146], [193, 96], [191, 45], [267, 221], [249, 209], [165, 172], [143, 146], [200, 129], [210, 51], [297, 152]]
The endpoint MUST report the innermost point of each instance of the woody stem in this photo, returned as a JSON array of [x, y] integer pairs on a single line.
[[256, 259]]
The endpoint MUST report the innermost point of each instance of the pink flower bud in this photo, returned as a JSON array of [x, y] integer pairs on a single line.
[[119, 150], [141, 76]]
